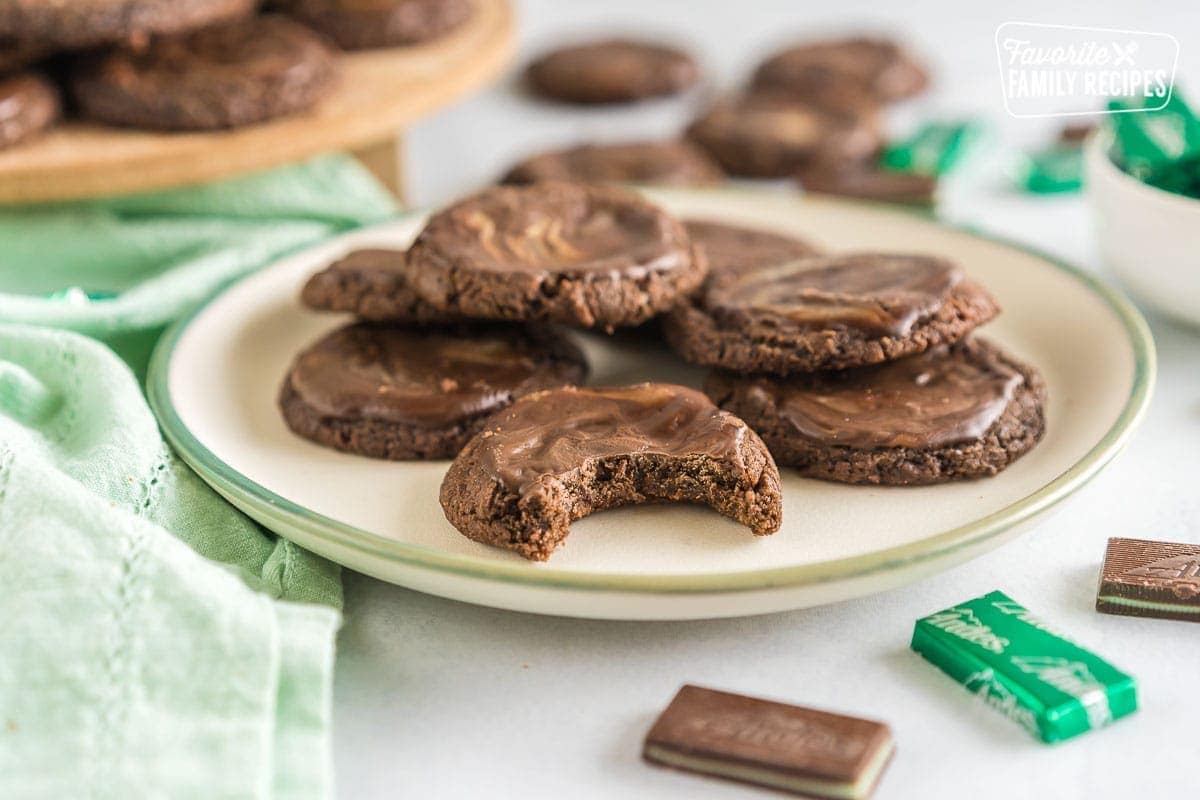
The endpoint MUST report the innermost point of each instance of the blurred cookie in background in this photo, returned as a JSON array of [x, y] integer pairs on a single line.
[[83, 23], [29, 104], [868, 181], [771, 135], [670, 163], [18, 53], [369, 24], [220, 77], [879, 66], [612, 71]]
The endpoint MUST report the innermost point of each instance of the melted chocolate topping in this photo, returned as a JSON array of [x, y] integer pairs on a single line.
[[562, 228], [883, 295], [428, 378], [935, 399], [555, 432]]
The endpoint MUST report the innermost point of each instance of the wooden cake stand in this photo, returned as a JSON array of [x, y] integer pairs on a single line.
[[381, 93]]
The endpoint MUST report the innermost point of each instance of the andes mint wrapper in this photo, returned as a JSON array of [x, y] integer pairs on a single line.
[[1024, 668], [1058, 168], [935, 149], [1160, 147]]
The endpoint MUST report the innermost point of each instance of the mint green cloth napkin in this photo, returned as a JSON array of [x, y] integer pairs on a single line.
[[154, 642]]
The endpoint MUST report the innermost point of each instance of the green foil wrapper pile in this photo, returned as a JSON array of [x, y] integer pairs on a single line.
[[1023, 668], [1159, 147]]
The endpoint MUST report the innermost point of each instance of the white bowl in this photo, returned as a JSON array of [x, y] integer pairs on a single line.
[[1150, 237]]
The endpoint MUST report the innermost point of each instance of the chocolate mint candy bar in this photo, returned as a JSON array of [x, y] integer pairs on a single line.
[[1150, 579], [1024, 668], [801, 750]]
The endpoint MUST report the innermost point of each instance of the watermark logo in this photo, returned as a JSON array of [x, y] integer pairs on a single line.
[[1062, 70]]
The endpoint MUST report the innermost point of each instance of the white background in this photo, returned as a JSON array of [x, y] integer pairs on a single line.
[[435, 698]]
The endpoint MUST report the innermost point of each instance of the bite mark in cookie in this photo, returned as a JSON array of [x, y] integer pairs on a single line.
[[953, 413], [556, 456], [396, 392], [828, 312], [581, 254]]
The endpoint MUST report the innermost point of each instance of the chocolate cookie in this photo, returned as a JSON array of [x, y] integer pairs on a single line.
[[869, 182], [674, 163], [221, 77], [836, 97], [878, 66], [388, 391], [18, 53], [370, 284], [827, 312], [367, 24], [611, 71], [556, 456], [952, 413], [81, 23], [586, 255], [771, 135], [735, 248], [29, 104]]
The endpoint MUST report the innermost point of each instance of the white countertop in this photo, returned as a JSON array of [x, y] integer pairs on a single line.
[[435, 698]]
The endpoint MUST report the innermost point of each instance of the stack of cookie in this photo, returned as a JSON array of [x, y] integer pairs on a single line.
[[452, 357], [813, 112], [855, 368], [859, 367], [180, 65]]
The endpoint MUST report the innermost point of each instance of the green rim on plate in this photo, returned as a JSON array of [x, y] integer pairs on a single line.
[[279, 513]]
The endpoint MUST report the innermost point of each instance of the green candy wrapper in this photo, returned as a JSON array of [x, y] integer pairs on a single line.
[[935, 149], [1023, 668], [1055, 169], [1159, 147]]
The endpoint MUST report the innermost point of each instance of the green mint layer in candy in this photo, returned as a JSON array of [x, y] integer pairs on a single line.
[[1023, 668], [1058, 168], [935, 149]]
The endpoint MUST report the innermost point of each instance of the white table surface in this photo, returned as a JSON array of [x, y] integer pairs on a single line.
[[435, 698]]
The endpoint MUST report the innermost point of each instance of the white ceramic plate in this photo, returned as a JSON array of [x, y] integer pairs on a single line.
[[214, 380]]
